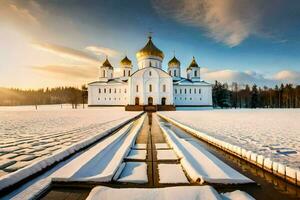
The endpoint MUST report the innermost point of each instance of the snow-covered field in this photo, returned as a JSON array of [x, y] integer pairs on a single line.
[[28, 135], [274, 133]]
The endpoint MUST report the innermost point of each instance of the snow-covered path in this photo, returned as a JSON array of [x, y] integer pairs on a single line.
[[199, 164]]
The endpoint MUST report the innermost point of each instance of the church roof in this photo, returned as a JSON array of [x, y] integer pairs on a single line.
[[125, 62], [193, 64], [150, 50], [174, 62], [106, 63]]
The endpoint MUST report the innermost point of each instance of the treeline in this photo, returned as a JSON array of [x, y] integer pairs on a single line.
[[58, 95], [244, 96]]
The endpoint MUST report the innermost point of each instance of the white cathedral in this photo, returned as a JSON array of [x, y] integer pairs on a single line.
[[149, 86]]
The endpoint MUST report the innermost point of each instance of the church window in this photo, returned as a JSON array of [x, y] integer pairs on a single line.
[[150, 73], [98, 99], [105, 99], [137, 88], [175, 73], [124, 72], [115, 90], [180, 91], [191, 98], [104, 90], [195, 90], [175, 91], [150, 88], [188, 76], [200, 99], [170, 73], [129, 73], [109, 98], [185, 98], [190, 90], [109, 90], [99, 90], [125, 91], [103, 73], [185, 91], [195, 73], [199, 91], [164, 88]]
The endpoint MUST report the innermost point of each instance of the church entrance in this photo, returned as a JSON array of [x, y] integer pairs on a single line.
[[137, 101], [163, 101], [150, 101]]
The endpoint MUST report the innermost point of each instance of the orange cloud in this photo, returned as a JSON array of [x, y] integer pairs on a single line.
[[68, 71], [66, 52]]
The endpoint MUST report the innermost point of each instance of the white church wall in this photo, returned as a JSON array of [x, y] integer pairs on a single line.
[[108, 94], [192, 95], [158, 80]]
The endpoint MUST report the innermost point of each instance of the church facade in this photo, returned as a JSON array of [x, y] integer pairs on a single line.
[[149, 85]]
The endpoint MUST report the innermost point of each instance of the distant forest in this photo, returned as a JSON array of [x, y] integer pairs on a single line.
[[58, 95], [224, 96]]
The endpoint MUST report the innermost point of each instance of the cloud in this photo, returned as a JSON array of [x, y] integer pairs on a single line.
[[19, 14], [287, 76], [250, 77], [66, 52], [68, 71], [227, 21], [103, 51]]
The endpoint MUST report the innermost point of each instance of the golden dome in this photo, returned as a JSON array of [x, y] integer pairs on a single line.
[[125, 62], [193, 64], [106, 63], [149, 50], [174, 62]]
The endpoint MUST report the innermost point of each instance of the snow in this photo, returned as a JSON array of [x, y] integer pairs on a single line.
[[237, 195], [134, 172], [166, 155], [140, 146], [273, 133], [101, 162], [137, 155], [162, 146], [167, 171], [174, 193], [200, 165], [28, 135]]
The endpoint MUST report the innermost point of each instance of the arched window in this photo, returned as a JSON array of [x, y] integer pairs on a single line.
[[115, 90], [195, 73], [104, 90], [199, 91], [103, 73], [185, 91], [170, 73], [164, 88], [175, 91], [175, 73], [124, 73], [150, 73], [180, 91], [137, 88], [125, 91], [150, 88], [99, 90], [109, 90], [190, 90], [128, 72], [195, 91]]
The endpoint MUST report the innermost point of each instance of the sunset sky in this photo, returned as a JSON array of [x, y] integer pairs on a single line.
[[63, 42]]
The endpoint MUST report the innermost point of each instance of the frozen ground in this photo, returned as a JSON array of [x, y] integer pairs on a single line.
[[28, 135], [274, 133]]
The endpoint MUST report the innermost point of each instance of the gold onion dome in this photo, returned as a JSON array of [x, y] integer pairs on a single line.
[[106, 63], [174, 62], [193, 64], [125, 62], [150, 50]]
